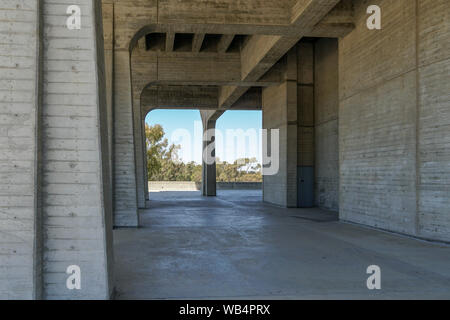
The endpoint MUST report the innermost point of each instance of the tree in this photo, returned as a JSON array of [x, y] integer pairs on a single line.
[[160, 156]]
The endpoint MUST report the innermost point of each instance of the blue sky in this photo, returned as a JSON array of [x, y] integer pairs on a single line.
[[184, 127]]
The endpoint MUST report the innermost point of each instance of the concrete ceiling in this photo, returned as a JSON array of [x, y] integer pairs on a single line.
[[230, 46]]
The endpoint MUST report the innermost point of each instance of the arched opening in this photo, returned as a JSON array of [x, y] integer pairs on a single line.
[[239, 155], [173, 153], [175, 157]]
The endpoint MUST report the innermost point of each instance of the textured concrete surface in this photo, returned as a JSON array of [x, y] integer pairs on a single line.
[[305, 122], [280, 113], [77, 219], [209, 184], [235, 246], [67, 148], [125, 187], [394, 119], [434, 119], [20, 107], [326, 110]]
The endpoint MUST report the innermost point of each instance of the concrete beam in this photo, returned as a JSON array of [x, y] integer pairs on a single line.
[[224, 42], [170, 41], [262, 52], [197, 42], [193, 97], [179, 97], [184, 69]]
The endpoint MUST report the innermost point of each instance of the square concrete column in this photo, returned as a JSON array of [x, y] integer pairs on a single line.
[[209, 183], [125, 193], [139, 140], [306, 134], [76, 207], [108, 35], [280, 112], [144, 152]]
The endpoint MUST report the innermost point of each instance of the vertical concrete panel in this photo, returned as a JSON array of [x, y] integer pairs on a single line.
[[326, 104], [75, 170], [125, 196], [139, 155], [20, 214], [305, 131], [434, 119], [370, 57], [394, 119], [377, 119], [144, 152], [108, 35], [377, 156], [280, 112]]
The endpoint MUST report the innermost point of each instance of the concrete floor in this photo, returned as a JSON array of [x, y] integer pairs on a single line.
[[236, 247]]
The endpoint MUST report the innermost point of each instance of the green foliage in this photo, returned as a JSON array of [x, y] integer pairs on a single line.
[[241, 170], [163, 163]]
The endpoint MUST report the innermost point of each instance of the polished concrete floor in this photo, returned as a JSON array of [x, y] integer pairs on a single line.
[[236, 247]]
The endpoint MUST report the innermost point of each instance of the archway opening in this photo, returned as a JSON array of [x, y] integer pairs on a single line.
[[239, 155], [173, 153]]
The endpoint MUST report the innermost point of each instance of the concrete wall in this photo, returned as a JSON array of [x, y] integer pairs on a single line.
[[394, 119], [157, 186], [20, 249], [433, 21], [326, 109]]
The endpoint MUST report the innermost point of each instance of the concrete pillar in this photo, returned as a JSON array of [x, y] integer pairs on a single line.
[[326, 123], [76, 209], [125, 194], [108, 35], [139, 139], [144, 152], [280, 112], [20, 154], [305, 134], [209, 119]]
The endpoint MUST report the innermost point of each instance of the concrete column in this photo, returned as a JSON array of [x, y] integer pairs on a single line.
[[326, 123], [280, 112], [305, 134], [108, 35], [77, 214], [139, 138], [125, 194], [20, 154], [209, 119], [144, 152]]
